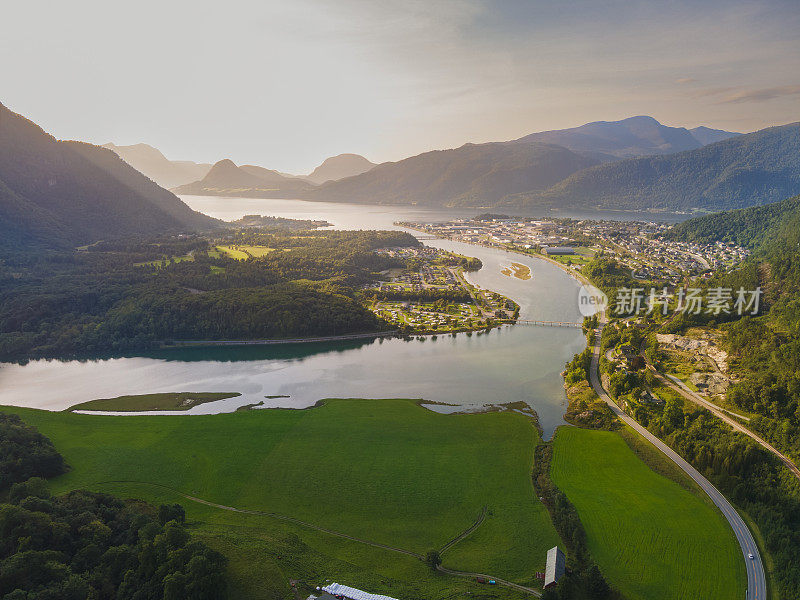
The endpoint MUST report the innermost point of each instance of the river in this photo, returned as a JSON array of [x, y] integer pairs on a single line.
[[511, 363]]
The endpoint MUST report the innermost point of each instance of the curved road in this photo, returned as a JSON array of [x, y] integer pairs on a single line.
[[683, 390], [756, 580]]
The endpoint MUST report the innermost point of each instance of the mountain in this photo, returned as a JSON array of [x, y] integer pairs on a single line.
[[61, 194], [166, 173], [339, 167], [227, 179], [706, 135], [472, 175], [629, 138], [749, 227], [746, 170]]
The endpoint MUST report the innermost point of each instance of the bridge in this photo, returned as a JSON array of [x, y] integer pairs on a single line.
[[549, 323]]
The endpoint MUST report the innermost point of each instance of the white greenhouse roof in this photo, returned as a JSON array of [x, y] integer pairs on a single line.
[[338, 589]]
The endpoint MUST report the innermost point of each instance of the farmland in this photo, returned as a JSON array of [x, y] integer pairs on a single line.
[[635, 517], [386, 471]]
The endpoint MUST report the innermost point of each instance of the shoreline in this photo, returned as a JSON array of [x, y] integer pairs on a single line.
[[574, 274], [305, 340]]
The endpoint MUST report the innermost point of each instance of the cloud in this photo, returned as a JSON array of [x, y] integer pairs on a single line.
[[744, 96], [686, 80]]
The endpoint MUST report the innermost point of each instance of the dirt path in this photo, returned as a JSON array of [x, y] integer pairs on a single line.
[[339, 534], [464, 533], [273, 515]]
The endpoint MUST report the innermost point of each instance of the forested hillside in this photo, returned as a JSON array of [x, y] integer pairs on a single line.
[[132, 294], [747, 170], [765, 363], [749, 227], [88, 545], [60, 194], [472, 175]]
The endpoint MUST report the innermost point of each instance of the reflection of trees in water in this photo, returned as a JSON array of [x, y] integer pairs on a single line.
[[256, 352]]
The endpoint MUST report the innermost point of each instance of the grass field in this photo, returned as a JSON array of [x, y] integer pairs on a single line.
[[256, 251], [653, 539], [233, 252], [145, 402], [387, 471]]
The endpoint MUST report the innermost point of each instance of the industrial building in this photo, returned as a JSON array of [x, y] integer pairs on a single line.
[[561, 250]]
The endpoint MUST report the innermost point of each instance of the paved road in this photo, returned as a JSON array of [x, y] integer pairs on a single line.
[[680, 387], [756, 580]]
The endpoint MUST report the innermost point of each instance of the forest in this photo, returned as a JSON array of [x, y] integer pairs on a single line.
[[139, 292], [765, 360], [88, 545]]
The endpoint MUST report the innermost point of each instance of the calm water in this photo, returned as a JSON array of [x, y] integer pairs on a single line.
[[504, 365]]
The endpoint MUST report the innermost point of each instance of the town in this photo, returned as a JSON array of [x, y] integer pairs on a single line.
[[643, 247], [432, 294]]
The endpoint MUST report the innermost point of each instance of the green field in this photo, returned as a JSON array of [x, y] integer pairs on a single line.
[[145, 402], [386, 471], [652, 538], [233, 252], [256, 251]]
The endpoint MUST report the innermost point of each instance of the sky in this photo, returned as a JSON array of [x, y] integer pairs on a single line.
[[285, 84]]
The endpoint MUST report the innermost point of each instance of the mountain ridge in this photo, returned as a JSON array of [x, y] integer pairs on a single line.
[[472, 174], [746, 170], [151, 162], [59, 193], [627, 138], [226, 178]]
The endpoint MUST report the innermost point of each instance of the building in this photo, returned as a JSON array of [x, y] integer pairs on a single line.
[[561, 250], [556, 565], [349, 593]]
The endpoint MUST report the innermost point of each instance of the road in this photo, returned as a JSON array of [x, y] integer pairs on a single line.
[[680, 387], [756, 580]]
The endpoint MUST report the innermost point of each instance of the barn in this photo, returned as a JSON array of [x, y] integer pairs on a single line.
[[556, 565]]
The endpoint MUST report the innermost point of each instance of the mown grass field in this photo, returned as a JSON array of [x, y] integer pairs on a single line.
[[653, 539], [387, 471]]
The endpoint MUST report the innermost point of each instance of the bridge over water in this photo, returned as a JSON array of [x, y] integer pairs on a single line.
[[549, 323]]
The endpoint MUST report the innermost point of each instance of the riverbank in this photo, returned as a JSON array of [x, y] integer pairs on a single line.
[[305, 340], [573, 273]]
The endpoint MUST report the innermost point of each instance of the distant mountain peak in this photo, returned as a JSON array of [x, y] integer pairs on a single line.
[[339, 167], [151, 162], [633, 137]]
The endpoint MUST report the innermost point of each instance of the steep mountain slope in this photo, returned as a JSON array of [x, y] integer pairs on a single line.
[[472, 175], [227, 179], [56, 193], [628, 138], [339, 167], [166, 173], [746, 170]]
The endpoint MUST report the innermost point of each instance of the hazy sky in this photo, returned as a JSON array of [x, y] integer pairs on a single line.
[[285, 84]]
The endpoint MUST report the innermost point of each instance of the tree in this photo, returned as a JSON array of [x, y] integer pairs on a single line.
[[596, 585], [433, 560]]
